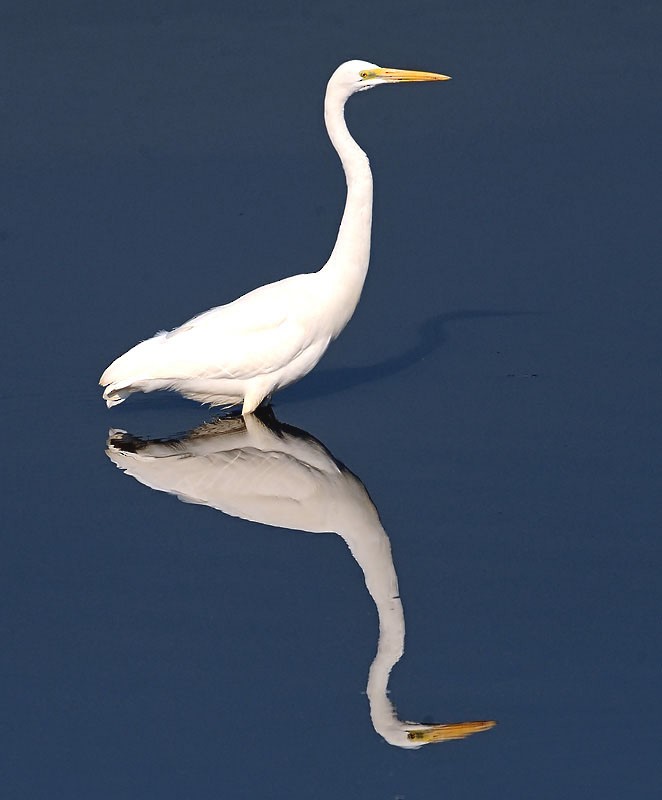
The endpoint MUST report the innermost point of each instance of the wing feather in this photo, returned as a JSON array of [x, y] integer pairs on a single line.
[[231, 355], [256, 334]]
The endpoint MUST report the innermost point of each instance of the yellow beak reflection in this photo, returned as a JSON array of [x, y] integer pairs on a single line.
[[444, 733]]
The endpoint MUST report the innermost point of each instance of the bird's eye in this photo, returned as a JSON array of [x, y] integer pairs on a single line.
[[364, 74]]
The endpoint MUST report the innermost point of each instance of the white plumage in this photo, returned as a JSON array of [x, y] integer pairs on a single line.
[[244, 351]]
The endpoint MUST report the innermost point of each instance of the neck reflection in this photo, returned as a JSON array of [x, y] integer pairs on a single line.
[[261, 470]]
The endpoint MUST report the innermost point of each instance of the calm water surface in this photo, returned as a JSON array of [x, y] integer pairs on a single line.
[[497, 395]]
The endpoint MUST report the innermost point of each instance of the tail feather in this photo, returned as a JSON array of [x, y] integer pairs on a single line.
[[126, 374], [114, 394]]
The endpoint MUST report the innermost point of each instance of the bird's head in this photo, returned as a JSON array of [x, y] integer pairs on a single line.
[[357, 76]]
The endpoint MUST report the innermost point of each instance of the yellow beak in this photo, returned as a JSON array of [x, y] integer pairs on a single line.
[[400, 75], [444, 733]]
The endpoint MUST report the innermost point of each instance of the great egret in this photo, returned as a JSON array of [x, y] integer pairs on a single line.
[[260, 470], [267, 339]]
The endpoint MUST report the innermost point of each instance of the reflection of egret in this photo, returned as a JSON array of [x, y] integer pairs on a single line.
[[243, 351], [263, 471]]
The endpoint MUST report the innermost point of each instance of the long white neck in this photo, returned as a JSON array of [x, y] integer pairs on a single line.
[[347, 266]]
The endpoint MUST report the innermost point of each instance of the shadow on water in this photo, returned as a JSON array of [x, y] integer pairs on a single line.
[[261, 470], [432, 334]]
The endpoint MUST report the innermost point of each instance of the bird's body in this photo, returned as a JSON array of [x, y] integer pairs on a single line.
[[242, 352], [226, 355]]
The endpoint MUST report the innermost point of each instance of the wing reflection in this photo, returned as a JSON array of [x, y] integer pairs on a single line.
[[259, 469]]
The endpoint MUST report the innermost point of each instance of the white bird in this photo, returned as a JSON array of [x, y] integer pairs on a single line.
[[260, 470], [265, 340]]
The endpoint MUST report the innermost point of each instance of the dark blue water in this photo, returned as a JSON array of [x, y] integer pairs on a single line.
[[497, 394]]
